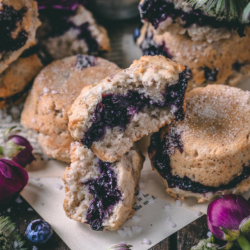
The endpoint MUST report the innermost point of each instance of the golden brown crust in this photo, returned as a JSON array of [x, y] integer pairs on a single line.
[[199, 55], [53, 92], [215, 139], [16, 80]]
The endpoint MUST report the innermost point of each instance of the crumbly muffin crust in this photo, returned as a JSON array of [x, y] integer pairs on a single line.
[[223, 62], [150, 77], [16, 79], [53, 92]]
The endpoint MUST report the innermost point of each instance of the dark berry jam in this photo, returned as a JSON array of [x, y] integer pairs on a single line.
[[116, 110], [85, 61], [59, 20], [211, 75], [105, 196], [9, 19], [160, 152], [149, 47], [156, 11]]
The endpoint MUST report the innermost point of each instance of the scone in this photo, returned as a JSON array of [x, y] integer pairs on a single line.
[[179, 17], [18, 24], [124, 107], [69, 32], [207, 154], [54, 90], [16, 80], [99, 193], [224, 62]]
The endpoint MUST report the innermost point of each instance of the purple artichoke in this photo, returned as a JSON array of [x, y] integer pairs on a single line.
[[224, 216], [13, 178], [60, 4], [17, 148]]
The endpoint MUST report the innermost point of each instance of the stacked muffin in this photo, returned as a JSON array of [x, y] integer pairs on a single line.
[[106, 111], [18, 64], [68, 28], [216, 51]]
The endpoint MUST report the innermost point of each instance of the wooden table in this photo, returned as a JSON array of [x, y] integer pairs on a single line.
[[182, 240]]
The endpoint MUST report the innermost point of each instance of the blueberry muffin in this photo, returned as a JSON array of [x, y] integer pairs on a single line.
[[18, 25], [207, 154], [179, 17], [16, 80], [99, 193], [53, 92], [66, 32], [224, 62], [110, 116]]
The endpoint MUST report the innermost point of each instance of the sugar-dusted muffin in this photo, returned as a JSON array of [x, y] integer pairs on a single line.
[[16, 80], [124, 107], [224, 62], [54, 90], [18, 24], [69, 32], [99, 193], [207, 154], [179, 17]]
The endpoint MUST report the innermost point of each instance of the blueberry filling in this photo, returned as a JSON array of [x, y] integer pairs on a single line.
[[9, 18], [85, 61], [211, 75], [60, 23], [105, 196], [156, 11], [160, 152], [149, 47], [116, 110]]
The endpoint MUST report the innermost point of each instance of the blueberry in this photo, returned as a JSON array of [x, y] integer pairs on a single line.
[[85, 61], [211, 75], [39, 231], [137, 33]]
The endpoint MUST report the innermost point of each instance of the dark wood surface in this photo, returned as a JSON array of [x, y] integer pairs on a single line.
[[182, 240]]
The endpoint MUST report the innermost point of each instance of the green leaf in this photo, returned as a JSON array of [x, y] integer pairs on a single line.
[[9, 239], [10, 132], [227, 9], [246, 14], [11, 149]]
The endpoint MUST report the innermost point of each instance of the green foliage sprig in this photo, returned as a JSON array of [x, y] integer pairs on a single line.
[[9, 239], [227, 9]]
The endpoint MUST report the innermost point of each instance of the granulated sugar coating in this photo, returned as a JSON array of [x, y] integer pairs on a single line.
[[53, 92], [214, 158]]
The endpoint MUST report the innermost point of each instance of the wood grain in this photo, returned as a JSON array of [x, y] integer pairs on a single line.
[[182, 240]]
